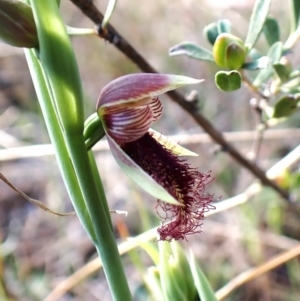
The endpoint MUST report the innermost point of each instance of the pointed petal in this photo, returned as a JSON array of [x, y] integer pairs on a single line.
[[133, 171], [175, 148], [133, 87]]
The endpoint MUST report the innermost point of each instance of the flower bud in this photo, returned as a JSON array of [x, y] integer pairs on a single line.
[[229, 51], [17, 26]]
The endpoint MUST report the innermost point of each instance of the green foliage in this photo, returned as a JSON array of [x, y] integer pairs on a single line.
[[286, 106], [211, 32], [175, 273], [192, 50], [93, 131], [261, 63], [224, 26], [274, 54], [271, 31], [283, 69], [174, 278], [232, 53], [228, 80], [295, 18], [56, 68], [204, 289], [257, 21], [57, 57]]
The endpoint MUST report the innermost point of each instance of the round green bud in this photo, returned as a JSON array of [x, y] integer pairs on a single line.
[[229, 51]]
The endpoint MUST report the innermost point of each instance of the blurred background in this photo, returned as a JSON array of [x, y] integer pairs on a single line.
[[39, 250]]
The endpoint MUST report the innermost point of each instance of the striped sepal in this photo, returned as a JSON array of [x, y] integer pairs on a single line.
[[126, 125], [156, 108]]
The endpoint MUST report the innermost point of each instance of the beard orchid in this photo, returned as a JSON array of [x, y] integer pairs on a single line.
[[127, 107]]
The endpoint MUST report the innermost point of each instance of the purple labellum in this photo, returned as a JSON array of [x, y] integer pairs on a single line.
[[184, 183]]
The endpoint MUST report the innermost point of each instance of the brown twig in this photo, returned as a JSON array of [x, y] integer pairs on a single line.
[[254, 273], [31, 200], [257, 143], [112, 36]]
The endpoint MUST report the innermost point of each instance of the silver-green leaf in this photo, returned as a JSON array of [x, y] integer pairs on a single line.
[[286, 106], [192, 50], [274, 54], [203, 287], [271, 31], [295, 6], [260, 63], [257, 21]]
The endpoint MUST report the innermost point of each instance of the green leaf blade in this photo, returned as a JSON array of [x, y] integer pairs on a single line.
[[203, 287], [271, 31], [274, 54], [295, 5], [224, 26], [228, 81], [192, 50], [257, 21], [260, 63], [211, 32], [286, 106]]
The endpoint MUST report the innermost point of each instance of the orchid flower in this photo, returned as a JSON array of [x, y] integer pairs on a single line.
[[127, 107]]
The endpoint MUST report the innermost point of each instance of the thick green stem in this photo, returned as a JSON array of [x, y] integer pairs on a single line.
[[106, 246], [65, 93], [93, 131], [58, 59], [98, 181], [58, 142]]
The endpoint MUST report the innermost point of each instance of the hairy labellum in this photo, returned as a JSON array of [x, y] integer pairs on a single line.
[[184, 183]]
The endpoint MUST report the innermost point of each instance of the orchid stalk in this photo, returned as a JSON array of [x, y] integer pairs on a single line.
[[128, 106], [57, 82]]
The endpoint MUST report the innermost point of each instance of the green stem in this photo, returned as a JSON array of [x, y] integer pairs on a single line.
[[106, 246], [58, 142], [59, 63], [61, 72], [98, 181], [93, 131]]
